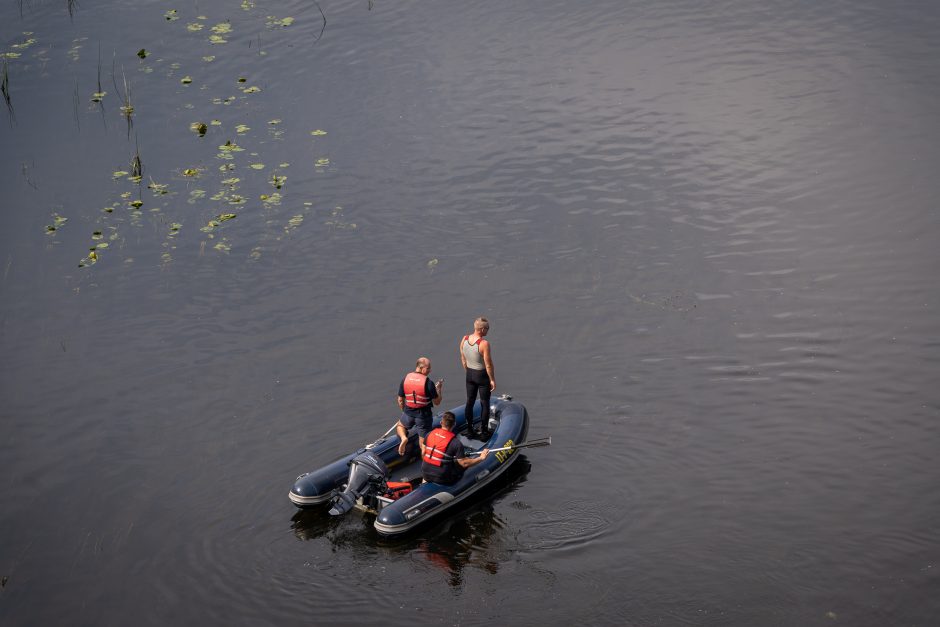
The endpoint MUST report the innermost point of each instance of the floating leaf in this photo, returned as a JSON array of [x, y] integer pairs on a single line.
[[242, 79], [97, 235], [209, 58], [98, 95], [294, 222], [223, 246], [235, 199], [175, 228], [241, 128], [136, 204], [256, 166], [278, 181], [195, 195], [191, 172], [227, 216], [142, 53], [232, 181], [284, 165], [216, 123], [318, 132], [194, 27], [432, 263], [222, 28], [186, 80], [248, 5], [252, 90], [275, 121], [171, 15], [322, 162], [102, 245], [199, 127], [119, 174], [230, 147], [217, 39]]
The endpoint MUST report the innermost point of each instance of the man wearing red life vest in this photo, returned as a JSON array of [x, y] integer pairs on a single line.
[[416, 395], [444, 458]]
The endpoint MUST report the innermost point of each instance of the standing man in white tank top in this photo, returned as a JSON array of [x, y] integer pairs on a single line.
[[477, 361]]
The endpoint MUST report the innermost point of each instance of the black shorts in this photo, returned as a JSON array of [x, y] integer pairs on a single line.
[[422, 422]]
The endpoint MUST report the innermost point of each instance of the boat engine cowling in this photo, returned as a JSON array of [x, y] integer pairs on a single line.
[[367, 475]]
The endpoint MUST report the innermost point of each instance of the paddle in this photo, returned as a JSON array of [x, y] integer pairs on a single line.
[[530, 444], [384, 435]]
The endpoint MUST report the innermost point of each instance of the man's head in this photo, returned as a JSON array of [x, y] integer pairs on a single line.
[[448, 420], [481, 325], [423, 365]]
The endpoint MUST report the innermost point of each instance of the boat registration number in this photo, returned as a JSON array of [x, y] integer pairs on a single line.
[[502, 455]]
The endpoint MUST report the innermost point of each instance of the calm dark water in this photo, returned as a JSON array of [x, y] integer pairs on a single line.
[[704, 234]]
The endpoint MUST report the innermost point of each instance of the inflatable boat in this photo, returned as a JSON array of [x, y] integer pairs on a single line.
[[378, 480]]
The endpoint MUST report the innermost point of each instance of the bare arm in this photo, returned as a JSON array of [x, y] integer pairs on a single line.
[[401, 403], [466, 462], [488, 362], [439, 386], [463, 360]]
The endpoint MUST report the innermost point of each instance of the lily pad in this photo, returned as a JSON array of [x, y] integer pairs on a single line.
[[256, 166], [199, 127], [194, 27], [186, 80], [191, 172], [98, 96], [318, 132], [252, 90], [143, 53], [171, 15], [322, 162], [432, 263], [209, 58], [119, 174], [241, 128]]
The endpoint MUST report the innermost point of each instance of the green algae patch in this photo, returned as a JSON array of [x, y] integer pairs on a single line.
[[230, 146], [57, 223]]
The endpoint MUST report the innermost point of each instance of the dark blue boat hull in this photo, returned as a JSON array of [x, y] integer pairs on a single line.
[[429, 499]]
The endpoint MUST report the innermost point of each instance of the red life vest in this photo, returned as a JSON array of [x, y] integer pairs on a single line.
[[435, 447], [415, 391]]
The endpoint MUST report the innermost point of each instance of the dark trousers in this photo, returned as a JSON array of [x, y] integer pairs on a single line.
[[478, 381]]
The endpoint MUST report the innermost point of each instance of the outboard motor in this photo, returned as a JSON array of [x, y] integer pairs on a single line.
[[367, 474]]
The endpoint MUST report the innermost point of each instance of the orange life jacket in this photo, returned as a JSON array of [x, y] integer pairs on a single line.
[[414, 385], [435, 447]]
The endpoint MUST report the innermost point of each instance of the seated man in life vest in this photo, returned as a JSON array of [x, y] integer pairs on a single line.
[[416, 394], [444, 458]]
